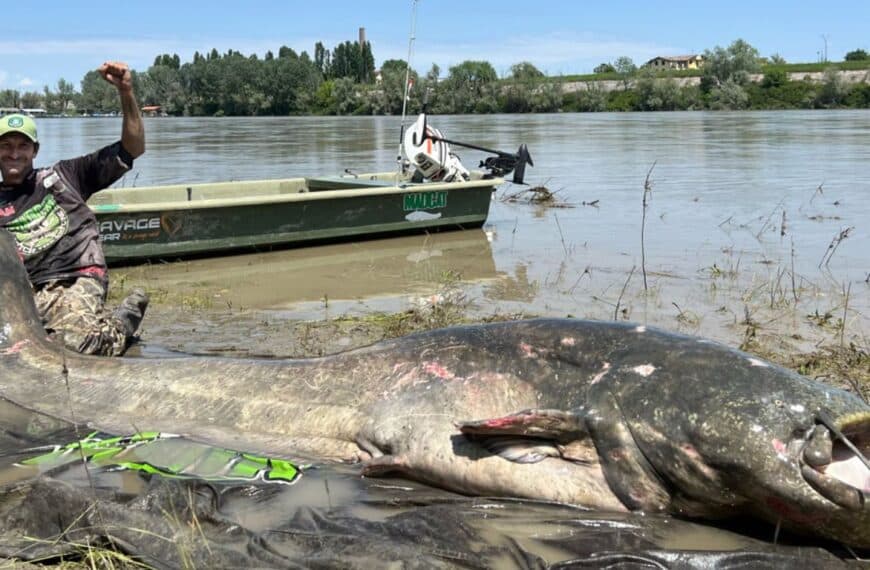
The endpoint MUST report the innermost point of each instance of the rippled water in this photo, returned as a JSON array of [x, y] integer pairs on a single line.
[[737, 200]]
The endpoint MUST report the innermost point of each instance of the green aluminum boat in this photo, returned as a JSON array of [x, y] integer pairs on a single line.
[[162, 222], [431, 191]]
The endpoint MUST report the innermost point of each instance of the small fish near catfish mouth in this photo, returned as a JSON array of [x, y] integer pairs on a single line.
[[834, 460]]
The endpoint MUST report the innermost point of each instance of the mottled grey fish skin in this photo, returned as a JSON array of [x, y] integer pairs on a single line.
[[617, 417], [726, 432]]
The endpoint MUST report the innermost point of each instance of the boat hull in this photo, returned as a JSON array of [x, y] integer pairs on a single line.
[[210, 219]]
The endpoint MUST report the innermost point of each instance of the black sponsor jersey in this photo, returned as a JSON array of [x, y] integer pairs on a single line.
[[55, 229]]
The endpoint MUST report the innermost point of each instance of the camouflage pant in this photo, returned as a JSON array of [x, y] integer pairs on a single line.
[[75, 308]]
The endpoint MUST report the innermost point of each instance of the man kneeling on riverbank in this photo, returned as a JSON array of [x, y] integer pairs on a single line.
[[45, 210]]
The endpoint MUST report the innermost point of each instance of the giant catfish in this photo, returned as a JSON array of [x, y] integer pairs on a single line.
[[603, 415]]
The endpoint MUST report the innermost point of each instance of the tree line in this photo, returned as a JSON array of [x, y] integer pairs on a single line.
[[344, 81]]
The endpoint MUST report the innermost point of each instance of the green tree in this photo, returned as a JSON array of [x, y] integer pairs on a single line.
[[859, 96], [466, 87], [386, 97], [162, 85], [526, 92], [349, 59], [286, 52], [241, 90], [626, 69], [346, 96], [10, 98], [64, 95], [97, 95], [833, 91], [734, 63], [394, 66], [434, 73], [32, 99], [342, 63], [50, 101], [656, 93], [730, 95], [324, 98], [202, 81], [472, 74], [321, 59], [547, 97], [787, 95], [291, 85], [170, 61], [625, 100], [516, 97], [774, 78], [366, 69], [777, 59], [604, 68], [525, 71], [591, 99], [857, 55]]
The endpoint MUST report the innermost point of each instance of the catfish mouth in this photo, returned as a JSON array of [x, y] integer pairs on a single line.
[[835, 460]]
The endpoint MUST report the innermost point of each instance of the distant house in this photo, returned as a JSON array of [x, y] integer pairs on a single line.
[[676, 62]]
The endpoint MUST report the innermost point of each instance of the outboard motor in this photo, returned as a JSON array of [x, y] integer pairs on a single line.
[[430, 153]]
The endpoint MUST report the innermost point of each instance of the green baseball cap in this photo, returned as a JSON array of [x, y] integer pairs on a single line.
[[18, 124]]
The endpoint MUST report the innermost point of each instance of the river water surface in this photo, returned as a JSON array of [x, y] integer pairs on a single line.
[[744, 214]]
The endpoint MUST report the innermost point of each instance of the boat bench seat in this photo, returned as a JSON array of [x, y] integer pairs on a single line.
[[344, 183]]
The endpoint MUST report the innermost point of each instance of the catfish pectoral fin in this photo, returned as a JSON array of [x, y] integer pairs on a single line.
[[546, 423]]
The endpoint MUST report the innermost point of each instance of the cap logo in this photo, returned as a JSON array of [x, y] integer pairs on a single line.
[[15, 122]]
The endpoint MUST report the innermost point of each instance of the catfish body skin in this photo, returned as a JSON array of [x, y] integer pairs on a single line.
[[602, 415]]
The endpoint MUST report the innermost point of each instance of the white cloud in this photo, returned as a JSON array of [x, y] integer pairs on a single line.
[[48, 61], [25, 82], [145, 49], [554, 54]]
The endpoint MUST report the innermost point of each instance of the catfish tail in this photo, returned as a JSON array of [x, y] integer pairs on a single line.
[[19, 321]]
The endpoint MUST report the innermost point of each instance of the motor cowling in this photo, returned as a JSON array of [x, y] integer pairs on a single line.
[[431, 156]]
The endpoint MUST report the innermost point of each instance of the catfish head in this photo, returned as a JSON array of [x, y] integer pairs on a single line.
[[692, 428], [725, 434]]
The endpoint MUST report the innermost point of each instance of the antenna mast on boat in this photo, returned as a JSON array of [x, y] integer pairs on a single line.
[[407, 94]]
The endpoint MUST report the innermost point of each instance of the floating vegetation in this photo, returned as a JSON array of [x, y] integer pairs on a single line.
[[541, 196]]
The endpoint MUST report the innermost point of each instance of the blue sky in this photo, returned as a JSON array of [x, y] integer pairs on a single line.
[[42, 42]]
